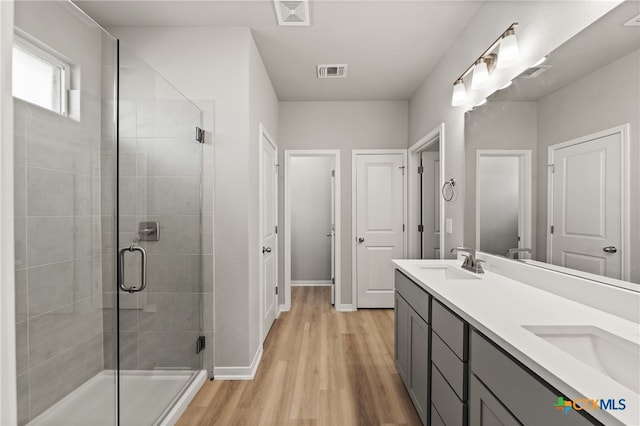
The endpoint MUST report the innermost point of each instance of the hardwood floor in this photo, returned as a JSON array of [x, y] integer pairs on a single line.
[[319, 367]]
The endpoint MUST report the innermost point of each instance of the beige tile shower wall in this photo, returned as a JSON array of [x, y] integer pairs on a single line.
[[58, 223]]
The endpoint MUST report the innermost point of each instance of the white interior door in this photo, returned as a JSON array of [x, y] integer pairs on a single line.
[[586, 205], [430, 204], [269, 217], [379, 226]]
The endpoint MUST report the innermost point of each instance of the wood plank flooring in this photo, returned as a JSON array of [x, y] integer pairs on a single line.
[[319, 367]]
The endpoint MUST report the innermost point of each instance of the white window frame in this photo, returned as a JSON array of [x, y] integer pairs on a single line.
[[45, 54]]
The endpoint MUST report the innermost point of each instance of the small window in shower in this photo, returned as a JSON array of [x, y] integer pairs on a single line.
[[39, 76]]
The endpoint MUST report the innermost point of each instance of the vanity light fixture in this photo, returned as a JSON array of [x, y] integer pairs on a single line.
[[459, 93], [508, 53], [486, 63]]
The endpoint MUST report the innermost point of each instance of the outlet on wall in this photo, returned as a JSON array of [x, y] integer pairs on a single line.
[[448, 226]]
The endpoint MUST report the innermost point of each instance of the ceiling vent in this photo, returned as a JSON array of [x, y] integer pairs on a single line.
[[332, 71], [635, 22], [534, 72], [292, 12]]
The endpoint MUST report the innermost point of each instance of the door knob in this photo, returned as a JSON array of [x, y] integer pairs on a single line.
[[610, 249], [266, 250], [328, 235], [361, 240]]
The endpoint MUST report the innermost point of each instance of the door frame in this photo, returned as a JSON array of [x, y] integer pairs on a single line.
[[354, 212], [525, 221], [413, 203], [264, 136], [328, 153], [8, 395], [625, 184]]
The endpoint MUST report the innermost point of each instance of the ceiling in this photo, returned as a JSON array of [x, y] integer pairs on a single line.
[[601, 43], [390, 46]]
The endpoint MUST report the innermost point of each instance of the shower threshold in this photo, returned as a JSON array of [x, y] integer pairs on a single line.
[[147, 397]]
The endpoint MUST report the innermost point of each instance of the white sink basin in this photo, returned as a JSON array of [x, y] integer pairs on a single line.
[[615, 357], [446, 272]]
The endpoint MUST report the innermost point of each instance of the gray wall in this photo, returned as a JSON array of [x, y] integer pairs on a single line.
[[58, 223], [544, 26], [310, 189], [344, 126], [599, 101], [497, 125]]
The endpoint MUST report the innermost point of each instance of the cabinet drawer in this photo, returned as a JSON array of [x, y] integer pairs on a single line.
[[450, 328], [453, 370], [523, 393], [412, 293], [450, 408]]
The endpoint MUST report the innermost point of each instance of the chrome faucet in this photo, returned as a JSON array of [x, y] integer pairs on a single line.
[[512, 252], [470, 262]]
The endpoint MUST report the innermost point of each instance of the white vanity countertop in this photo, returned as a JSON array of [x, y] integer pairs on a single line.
[[499, 306]]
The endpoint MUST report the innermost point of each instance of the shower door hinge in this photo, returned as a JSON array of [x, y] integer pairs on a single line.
[[420, 228], [552, 229], [333, 280], [420, 170], [201, 344], [199, 135]]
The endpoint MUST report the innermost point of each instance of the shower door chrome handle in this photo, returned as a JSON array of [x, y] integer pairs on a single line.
[[143, 269]]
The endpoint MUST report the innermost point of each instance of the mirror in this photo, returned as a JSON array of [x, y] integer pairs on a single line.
[[553, 161]]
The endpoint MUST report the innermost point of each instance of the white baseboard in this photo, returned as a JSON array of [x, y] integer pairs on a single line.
[[346, 307], [239, 373], [281, 308], [316, 283], [181, 405]]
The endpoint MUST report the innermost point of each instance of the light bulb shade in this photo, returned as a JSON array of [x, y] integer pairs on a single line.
[[480, 77], [508, 50], [459, 94]]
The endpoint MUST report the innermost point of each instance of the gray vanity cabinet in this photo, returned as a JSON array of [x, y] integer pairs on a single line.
[[402, 346], [486, 409], [449, 366], [412, 341], [503, 392], [456, 376]]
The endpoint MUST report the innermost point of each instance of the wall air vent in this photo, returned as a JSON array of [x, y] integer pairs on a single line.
[[534, 72], [634, 22], [332, 71], [292, 12]]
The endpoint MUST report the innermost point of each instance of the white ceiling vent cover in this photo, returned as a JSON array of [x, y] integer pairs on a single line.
[[332, 71], [635, 22], [292, 12], [534, 72]]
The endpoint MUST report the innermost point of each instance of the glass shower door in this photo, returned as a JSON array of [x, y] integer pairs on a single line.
[[159, 247]]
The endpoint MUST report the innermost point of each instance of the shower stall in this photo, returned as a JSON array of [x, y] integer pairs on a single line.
[[108, 224]]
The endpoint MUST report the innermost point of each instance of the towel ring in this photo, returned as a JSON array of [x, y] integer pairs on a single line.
[[451, 183]]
